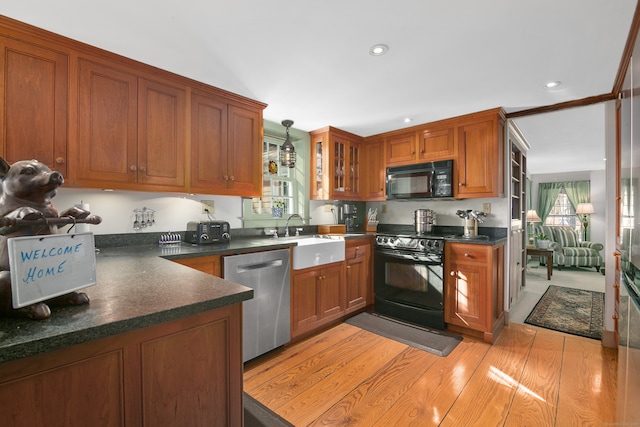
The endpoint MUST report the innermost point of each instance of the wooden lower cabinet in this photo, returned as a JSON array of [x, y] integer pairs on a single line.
[[474, 289], [207, 264], [358, 282], [183, 372], [317, 297]]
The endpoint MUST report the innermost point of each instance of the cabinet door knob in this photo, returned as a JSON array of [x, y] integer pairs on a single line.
[[143, 168], [467, 255], [453, 273], [59, 160], [133, 168], [226, 177], [232, 178]]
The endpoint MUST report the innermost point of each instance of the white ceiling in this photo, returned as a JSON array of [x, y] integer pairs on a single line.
[[309, 60]]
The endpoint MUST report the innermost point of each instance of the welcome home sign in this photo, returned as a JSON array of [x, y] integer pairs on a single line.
[[43, 267]]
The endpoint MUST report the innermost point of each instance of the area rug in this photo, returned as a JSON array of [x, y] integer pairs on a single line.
[[431, 340], [573, 311]]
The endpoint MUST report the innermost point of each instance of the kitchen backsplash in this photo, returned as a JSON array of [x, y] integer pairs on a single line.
[[173, 211]]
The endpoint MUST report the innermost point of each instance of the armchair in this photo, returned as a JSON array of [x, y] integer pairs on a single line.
[[568, 250]]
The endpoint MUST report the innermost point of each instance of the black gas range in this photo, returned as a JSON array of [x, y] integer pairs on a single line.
[[408, 277]]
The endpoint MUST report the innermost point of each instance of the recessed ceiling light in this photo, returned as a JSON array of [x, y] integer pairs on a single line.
[[378, 49], [549, 85], [407, 120]]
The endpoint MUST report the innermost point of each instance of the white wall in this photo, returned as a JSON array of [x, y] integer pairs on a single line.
[[173, 211], [402, 212]]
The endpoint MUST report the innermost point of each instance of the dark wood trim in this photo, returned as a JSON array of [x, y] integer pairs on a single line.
[[563, 105], [627, 52]]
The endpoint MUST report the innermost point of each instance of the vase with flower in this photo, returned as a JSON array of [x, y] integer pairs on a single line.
[[277, 208]]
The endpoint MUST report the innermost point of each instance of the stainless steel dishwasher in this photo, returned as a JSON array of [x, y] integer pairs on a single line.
[[266, 321]]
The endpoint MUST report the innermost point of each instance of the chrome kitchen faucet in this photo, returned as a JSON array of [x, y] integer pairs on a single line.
[[286, 226]]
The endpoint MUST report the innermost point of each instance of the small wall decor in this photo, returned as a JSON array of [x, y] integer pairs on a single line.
[[273, 167], [277, 208]]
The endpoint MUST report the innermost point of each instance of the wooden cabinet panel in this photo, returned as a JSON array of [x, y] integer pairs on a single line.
[[132, 130], [474, 289], [208, 142], [34, 91], [332, 292], [358, 282], [317, 297], [305, 301], [161, 135], [244, 152], [226, 153], [206, 264], [179, 393], [83, 393], [480, 158], [107, 125], [401, 149], [374, 188], [437, 144]]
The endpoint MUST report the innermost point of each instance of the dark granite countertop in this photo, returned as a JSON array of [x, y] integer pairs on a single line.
[[136, 288]]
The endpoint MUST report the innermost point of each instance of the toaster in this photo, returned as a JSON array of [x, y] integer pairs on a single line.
[[206, 232]]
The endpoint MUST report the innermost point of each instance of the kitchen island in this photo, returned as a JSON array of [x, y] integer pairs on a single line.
[[159, 344]]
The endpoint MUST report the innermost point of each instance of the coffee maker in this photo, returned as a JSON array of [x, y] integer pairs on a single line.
[[350, 218]]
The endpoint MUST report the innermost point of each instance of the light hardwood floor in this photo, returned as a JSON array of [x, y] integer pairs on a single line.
[[529, 377]]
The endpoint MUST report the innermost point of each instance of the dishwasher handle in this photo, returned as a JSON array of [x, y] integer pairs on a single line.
[[258, 266]]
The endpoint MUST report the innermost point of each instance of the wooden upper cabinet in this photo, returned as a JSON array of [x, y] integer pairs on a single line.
[[401, 149], [422, 144], [336, 165], [105, 121], [34, 91], [244, 152], [161, 134], [436, 144], [374, 186], [131, 130], [480, 165], [107, 125], [226, 147], [208, 142]]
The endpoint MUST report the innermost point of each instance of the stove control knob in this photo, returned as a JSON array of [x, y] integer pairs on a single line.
[[392, 240]]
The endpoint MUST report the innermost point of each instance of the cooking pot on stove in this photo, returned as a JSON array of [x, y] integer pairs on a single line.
[[423, 220]]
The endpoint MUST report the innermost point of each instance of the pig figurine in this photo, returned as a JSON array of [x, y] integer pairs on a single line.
[[27, 189]]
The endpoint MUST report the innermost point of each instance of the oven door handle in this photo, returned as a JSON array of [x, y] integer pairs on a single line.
[[409, 257]]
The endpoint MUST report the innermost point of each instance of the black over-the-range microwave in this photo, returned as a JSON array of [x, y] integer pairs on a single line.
[[432, 180]]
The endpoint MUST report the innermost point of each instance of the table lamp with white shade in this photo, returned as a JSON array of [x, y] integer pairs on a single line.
[[583, 211], [532, 216]]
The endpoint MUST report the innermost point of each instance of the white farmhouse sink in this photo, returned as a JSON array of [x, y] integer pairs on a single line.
[[314, 251]]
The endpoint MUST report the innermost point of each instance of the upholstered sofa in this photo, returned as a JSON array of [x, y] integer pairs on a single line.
[[568, 251]]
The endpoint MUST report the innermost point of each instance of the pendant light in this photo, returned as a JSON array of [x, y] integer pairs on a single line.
[[287, 150]]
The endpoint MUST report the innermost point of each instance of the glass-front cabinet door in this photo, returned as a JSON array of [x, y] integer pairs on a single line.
[[335, 165]]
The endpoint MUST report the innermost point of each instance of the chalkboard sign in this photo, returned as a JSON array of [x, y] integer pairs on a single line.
[[43, 267]]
